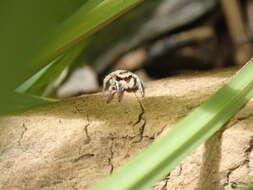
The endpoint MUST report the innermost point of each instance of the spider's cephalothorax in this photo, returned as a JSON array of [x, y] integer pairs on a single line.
[[121, 80]]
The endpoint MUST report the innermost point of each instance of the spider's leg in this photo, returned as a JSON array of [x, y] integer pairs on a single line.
[[106, 83], [140, 86]]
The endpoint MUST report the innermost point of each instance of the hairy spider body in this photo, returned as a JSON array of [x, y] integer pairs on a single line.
[[120, 81]]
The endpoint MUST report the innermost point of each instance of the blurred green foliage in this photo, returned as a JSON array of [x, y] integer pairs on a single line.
[[34, 33]]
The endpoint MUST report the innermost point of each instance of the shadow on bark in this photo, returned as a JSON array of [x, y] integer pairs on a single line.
[[209, 173]]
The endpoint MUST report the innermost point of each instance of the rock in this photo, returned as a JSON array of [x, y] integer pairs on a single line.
[[81, 80], [77, 142]]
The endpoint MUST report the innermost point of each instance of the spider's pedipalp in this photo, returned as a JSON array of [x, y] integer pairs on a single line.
[[120, 95], [119, 91], [110, 96], [117, 85]]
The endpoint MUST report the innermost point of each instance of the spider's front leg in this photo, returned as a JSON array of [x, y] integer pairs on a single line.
[[106, 82]]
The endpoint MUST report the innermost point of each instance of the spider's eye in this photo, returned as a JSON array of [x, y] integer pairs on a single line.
[[118, 78], [127, 79]]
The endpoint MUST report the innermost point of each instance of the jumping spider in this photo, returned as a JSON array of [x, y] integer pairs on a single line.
[[120, 81]]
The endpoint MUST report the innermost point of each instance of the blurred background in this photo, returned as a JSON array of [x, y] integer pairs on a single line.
[[163, 38], [158, 39]]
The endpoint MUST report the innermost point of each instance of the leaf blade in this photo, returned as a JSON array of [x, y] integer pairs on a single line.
[[16, 102], [38, 83], [39, 49]]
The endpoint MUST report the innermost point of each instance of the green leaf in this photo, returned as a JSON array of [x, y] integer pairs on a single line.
[[38, 83], [16, 102], [24, 25], [34, 81], [166, 153], [34, 33]]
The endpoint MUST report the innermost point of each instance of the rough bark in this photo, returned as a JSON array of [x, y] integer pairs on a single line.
[[77, 142]]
